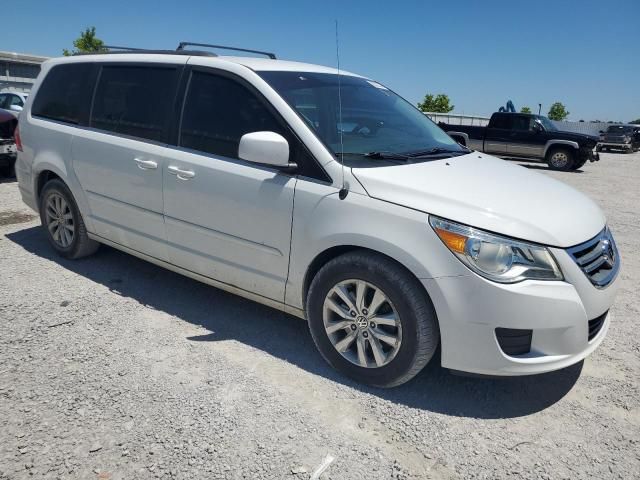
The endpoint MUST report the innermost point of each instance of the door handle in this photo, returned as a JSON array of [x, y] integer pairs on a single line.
[[146, 164], [181, 174]]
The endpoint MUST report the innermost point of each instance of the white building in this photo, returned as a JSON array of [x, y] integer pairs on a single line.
[[18, 71]]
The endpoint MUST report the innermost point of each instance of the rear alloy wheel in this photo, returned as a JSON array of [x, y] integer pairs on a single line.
[[371, 319], [560, 159], [63, 222]]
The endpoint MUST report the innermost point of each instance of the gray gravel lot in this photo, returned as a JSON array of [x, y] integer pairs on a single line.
[[112, 368]]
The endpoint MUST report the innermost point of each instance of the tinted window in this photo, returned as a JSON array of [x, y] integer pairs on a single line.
[[218, 111], [501, 121], [65, 91], [522, 123], [134, 100], [3, 100]]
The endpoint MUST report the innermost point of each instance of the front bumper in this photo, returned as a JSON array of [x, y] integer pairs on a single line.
[[470, 309], [621, 146]]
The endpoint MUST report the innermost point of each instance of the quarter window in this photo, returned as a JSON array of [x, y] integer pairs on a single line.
[[134, 100], [64, 93], [218, 111]]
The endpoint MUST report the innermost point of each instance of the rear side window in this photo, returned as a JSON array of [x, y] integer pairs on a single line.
[[65, 93], [218, 111], [134, 100], [501, 121]]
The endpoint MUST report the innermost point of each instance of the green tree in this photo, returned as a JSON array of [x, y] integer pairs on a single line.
[[439, 103], [636, 121], [558, 112], [525, 110], [87, 42]]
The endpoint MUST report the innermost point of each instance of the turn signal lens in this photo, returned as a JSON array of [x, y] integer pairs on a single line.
[[454, 241]]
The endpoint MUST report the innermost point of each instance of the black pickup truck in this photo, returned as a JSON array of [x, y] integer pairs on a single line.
[[522, 135]]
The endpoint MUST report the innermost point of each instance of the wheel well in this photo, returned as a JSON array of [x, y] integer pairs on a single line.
[[326, 256], [43, 178]]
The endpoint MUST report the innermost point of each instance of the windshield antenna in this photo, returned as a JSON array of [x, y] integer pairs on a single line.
[[343, 191]]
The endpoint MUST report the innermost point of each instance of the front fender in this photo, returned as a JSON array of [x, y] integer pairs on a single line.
[[552, 143], [322, 221]]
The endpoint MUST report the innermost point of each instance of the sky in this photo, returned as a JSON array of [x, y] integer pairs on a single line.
[[583, 53]]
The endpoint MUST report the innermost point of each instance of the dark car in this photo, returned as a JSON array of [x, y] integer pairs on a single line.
[[527, 136], [620, 137], [7, 144]]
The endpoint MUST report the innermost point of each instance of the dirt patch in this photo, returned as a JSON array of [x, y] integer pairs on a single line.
[[12, 217]]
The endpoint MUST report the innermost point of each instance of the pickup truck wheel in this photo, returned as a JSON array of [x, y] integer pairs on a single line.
[[371, 319], [578, 165], [62, 222], [560, 159]]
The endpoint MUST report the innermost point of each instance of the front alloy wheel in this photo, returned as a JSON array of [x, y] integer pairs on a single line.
[[362, 324], [371, 319]]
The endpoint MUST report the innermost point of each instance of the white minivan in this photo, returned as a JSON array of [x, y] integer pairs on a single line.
[[323, 194]]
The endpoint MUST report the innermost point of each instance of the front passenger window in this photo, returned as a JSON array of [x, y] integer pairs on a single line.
[[218, 111]]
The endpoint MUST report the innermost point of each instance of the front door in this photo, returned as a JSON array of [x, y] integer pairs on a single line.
[[226, 218], [524, 140], [120, 158]]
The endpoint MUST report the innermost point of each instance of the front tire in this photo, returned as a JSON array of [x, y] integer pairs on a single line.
[[560, 159], [371, 319], [63, 223]]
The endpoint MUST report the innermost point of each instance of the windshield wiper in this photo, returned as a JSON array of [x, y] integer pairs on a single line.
[[387, 156], [437, 151]]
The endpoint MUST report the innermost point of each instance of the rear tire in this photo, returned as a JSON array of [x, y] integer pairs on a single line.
[[8, 172], [63, 223], [347, 333], [560, 159]]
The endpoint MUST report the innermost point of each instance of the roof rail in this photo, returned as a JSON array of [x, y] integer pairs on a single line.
[[111, 49], [185, 44]]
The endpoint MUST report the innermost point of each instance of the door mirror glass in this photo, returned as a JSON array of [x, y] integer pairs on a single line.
[[266, 148], [537, 127]]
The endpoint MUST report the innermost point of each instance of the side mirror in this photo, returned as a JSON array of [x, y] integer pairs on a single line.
[[15, 108], [601, 131], [265, 148], [537, 127]]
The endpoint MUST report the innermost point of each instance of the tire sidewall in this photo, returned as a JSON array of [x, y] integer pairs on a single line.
[[570, 156], [56, 186], [406, 356]]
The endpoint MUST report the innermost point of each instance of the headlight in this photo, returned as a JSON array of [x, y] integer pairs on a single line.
[[496, 258]]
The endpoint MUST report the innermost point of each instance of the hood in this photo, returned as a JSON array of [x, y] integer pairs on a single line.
[[581, 138], [489, 193]]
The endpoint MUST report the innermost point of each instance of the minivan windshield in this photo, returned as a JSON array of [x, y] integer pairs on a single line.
[[374, 121]]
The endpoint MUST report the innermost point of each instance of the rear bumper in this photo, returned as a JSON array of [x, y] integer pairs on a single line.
[[564, 321]]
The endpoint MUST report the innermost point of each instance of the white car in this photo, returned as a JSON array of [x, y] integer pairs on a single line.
[[325, 195], [13, 102]]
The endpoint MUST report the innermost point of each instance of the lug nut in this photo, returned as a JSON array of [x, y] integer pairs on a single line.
[[352, 313], [372, 325], [365, 334], [365, 311], [353, 326]]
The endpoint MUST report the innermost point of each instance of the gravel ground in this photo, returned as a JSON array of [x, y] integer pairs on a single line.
[[112, 368]]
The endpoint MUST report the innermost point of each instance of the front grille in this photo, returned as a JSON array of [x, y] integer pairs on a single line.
[[514, 341], [596, 324], [598, 258]]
